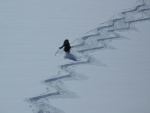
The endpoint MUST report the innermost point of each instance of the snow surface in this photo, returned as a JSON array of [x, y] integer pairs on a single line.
[[111, 75]]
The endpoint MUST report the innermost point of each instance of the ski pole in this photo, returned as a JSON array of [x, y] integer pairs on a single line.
[[74, 53], [56, 52]]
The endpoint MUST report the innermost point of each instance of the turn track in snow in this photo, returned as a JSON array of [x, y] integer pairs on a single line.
[[97, 39]]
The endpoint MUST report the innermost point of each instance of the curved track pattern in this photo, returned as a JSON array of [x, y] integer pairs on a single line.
[[95, 40]]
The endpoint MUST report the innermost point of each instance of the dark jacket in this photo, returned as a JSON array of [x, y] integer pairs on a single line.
[[66, 46]]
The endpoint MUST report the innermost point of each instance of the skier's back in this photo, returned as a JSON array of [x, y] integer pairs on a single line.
[[66, 46]]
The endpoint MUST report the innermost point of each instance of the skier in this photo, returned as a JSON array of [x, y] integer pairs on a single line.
[[66, 46]]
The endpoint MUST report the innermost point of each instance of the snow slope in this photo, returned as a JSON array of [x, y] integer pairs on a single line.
[[117, 82]]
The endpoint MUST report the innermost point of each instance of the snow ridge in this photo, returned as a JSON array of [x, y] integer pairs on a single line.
[[96, 39]]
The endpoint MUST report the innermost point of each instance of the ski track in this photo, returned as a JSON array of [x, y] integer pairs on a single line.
[[95, 40]]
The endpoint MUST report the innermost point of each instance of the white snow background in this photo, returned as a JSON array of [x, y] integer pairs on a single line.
[[112, 74]]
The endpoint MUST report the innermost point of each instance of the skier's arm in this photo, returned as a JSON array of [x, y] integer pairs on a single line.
[[61, 47]]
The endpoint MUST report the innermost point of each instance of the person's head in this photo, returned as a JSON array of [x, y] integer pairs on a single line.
[[66, 41]]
